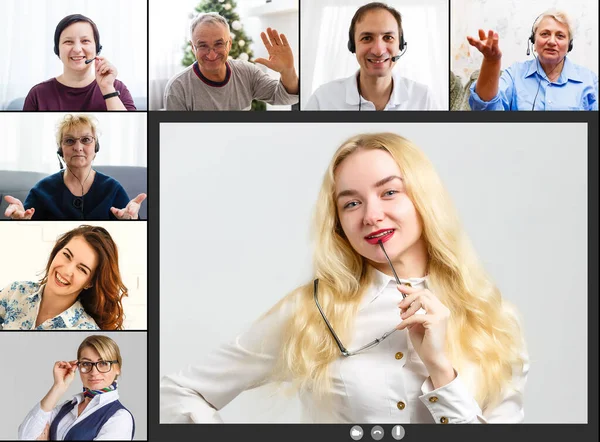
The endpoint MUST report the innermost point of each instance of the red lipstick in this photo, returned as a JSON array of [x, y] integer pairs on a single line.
[[382, 235]]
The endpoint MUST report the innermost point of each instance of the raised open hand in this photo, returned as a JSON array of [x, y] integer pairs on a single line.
[[487, 45], [281, 58]]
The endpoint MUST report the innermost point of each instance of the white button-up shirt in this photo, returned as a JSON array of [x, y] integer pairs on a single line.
[[343, 94], [385, 384], [118, 427]]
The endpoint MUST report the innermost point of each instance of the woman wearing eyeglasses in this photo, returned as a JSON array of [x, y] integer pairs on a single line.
[[81, 289], [77, 191], [94, 414], [399, 325]]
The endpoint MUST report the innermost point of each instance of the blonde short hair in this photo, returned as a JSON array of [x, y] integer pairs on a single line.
[[104, 346], [72, 120]]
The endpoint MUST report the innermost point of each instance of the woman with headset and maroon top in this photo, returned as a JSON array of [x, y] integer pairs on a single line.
[[77, 192], [88, 82], [94, 414], [549, 81]]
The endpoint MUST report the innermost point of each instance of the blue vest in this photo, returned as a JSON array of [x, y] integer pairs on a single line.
[[88, 428]]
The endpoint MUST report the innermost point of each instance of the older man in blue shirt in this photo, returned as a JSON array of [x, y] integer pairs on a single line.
[[548, 82]]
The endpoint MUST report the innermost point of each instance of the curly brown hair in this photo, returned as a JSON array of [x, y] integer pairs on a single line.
[[102, 301]]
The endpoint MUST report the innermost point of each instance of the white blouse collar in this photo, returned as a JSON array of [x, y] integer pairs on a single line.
[[382, 281]]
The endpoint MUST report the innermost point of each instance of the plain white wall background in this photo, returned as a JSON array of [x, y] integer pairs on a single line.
[[30, 244], [248, 191], [513, 19], [26, 370], [325, 56], [27, 41], [28, 140]]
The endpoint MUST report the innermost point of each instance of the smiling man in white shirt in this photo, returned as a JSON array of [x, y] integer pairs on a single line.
[[377, 39]]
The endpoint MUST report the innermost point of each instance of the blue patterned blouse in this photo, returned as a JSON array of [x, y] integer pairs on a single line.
[[20, 304]]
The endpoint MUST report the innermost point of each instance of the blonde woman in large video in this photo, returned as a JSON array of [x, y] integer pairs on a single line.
[[400, 325]]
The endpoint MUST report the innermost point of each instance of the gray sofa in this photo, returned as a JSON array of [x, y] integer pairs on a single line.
[[18, 184]]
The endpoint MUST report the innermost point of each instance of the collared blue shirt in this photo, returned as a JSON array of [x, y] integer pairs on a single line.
[[20, 305], [575, 89]]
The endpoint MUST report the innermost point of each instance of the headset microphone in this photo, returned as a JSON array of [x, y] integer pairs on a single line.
[[403, 48], [97, 53]]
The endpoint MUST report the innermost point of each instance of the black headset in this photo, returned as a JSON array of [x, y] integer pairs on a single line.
[[532, 37]]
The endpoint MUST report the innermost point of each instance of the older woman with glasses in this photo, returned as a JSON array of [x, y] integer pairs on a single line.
[[94, 414], [77, 191], [400, 323]]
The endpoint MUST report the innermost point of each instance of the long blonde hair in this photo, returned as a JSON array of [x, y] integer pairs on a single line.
[[483, 328]]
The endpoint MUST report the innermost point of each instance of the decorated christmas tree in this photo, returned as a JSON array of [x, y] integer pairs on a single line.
[[240, 45]]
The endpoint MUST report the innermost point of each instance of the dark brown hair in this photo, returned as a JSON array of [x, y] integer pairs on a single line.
[[360, 13], [68, 21], [102, 301]]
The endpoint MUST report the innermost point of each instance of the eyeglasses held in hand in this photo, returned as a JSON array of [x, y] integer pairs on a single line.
[[371, 344], [101, 366]]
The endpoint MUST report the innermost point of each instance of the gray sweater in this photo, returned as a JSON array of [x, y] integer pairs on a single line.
[[189, 90]]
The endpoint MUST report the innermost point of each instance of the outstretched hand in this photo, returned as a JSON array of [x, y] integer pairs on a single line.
[[281, 58], [132, 209], [16, 210], [487, 45]]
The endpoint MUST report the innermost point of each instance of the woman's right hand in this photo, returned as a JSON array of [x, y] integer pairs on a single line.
[[488, 46], [16, 210], [64, 373]]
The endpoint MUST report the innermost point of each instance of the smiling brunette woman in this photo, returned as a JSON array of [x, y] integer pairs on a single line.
[[400, 323], [81, 288], [94, 414]]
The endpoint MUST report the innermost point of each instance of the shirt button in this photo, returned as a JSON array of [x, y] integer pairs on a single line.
[[401, 405], [433, 399], [399, 355], [444, 420]]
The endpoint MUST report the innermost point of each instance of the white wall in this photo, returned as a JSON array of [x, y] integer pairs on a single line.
[[28, 140], [27, 245]]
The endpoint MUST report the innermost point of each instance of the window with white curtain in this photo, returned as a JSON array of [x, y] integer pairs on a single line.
[[28, 140], [27, 42], [325, 56]]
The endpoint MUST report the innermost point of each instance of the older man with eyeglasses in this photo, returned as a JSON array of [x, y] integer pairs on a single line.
[[215, 82]]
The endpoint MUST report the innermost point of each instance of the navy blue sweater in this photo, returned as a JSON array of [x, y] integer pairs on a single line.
[[52, 200]]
